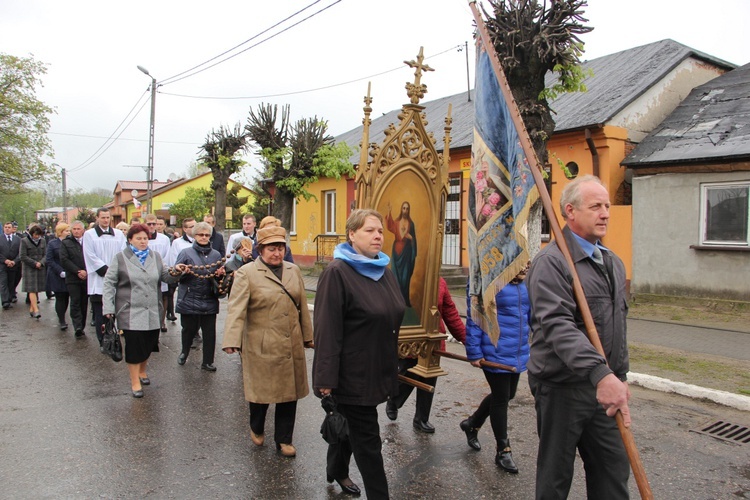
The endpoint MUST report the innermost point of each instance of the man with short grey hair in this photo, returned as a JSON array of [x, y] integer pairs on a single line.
[[577, 391]]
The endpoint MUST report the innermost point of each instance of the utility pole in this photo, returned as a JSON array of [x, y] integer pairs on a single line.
[[65, 197], [468, 81], [150, 177]]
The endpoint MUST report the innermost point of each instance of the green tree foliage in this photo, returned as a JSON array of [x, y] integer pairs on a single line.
[[24, 122], [196, 203], [85, 214], [295, 155], [223, 156], [20, 207]]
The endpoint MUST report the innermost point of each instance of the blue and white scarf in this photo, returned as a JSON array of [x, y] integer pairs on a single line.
[[367, 267], [141, 254]]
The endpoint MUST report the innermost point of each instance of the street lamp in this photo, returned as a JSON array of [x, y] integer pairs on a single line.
[[150, 177], [65, 193]]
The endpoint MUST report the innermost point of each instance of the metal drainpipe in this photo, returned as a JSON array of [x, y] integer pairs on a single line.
[[594, 153]]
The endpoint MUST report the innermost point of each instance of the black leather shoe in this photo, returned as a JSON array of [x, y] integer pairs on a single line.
[[391, 410], [79, 334], [6, 306], [171, 317], [425, 427], [145, 380], [471, 435], [347, 486], [209, 367], [138, 394], [63, 326], [181, 358], [504, 458]]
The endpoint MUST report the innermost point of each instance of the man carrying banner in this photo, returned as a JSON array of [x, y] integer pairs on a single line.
[[576, 393]]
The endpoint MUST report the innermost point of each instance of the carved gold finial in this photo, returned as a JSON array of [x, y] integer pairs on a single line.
[[362, 179], [417, 90]]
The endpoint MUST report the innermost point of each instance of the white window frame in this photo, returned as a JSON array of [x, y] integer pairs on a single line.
[[329, 212], [705, 188]]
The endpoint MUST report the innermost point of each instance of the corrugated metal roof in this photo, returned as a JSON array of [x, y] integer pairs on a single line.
[[618, 79], [711, 124]]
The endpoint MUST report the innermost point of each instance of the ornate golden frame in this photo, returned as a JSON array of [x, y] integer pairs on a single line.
[[407, 165]]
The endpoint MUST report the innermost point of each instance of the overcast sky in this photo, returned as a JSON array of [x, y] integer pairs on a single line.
[[93, 47]]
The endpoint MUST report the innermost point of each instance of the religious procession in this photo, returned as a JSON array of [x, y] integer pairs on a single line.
[[266, 379]]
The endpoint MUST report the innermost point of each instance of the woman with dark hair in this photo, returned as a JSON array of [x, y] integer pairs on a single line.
[[33, 257], [56, 274], [131, 290], [358, 313], [269, 324], [511, 349], [197, 297]]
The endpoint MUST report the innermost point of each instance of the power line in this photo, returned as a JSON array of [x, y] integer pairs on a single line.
[[120, 139], [108, 143], [313, 89], [167, 80], [175, 79]]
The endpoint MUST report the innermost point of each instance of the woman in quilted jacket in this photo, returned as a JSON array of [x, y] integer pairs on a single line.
[[512, 349]]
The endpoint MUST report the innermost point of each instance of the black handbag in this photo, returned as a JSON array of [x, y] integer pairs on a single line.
[[111, 343]]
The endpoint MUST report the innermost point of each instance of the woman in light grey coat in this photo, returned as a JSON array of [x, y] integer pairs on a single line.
[[132, 294]]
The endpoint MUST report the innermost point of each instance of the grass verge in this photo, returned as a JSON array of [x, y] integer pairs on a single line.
[[713, 372]]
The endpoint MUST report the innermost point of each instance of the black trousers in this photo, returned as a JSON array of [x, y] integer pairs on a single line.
[[283, 422], [7, 284], [364, 442], [17, 275], [570, 418], [495, 405], [79, 305], [96, 309], [191, 323], [62, 299], [170, 300], [424, 398]]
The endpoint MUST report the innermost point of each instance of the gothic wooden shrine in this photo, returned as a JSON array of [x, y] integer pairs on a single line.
[[406, 180]]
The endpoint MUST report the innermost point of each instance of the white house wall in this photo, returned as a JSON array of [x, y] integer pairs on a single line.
[[646, 112], [666, 221]]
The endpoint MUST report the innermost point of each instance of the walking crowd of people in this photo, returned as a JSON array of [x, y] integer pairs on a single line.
[[130, 276]]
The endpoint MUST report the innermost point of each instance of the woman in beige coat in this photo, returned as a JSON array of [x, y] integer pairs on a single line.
[[269, 324]]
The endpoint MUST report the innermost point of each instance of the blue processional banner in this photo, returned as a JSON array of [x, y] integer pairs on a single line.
[[501, 193]]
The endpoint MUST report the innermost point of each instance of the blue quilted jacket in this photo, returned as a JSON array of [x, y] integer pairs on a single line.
[[514, 317]]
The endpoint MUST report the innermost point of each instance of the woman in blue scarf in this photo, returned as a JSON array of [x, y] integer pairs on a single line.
[[134, 298], [358, 313]]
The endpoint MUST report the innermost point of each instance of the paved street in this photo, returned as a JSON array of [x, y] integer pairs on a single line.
[[69, 428]]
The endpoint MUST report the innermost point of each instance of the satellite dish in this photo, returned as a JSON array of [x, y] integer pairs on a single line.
[[172, 177], [134, 193]]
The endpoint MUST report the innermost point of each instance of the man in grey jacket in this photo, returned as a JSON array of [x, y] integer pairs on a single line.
[[576, 392]]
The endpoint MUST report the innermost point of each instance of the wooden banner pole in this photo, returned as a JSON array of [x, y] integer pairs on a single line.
[[627, 436]]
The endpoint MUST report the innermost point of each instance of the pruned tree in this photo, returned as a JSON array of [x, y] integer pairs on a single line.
[[222, 155], [531, 39], [24, 122], [295, 156]]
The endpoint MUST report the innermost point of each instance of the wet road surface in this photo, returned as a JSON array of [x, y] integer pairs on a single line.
[[69, 428]]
